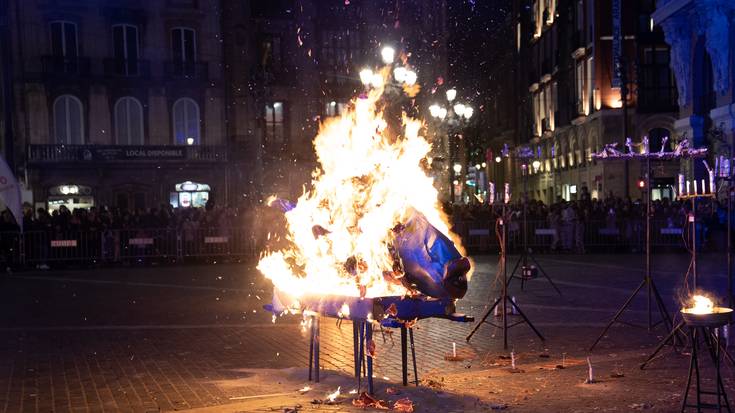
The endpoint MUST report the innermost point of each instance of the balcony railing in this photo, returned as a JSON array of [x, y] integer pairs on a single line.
[[124, 153], [127, 67], [65, 66], [186, 70]]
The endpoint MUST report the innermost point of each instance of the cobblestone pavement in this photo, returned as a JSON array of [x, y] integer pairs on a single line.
[[147, 339]]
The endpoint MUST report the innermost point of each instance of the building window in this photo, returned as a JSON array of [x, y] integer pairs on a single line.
[[580, 16], [590, 80], [590, 22], [183, 45], [579, 87], [64, 48], [128, 121], [270, 53], [184, 55], [125, 49], [334, 108], [339, 47], [64, 39], [544, 115], [274, 123], [68, 120], [553, 97], [656, 84], [186, 122], [537, 114]]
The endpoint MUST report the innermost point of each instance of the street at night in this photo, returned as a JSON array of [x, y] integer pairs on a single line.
[[230, 206], [177, 338]]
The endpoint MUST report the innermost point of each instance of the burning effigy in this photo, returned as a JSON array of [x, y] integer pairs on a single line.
[[370, 224]]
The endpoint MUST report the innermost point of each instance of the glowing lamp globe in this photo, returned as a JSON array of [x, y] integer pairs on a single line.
[[459, 109], [388, 54], [366, 76], [451, 94]]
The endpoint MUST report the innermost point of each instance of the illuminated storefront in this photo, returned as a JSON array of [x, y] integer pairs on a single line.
[[190, 194], [70, 196]]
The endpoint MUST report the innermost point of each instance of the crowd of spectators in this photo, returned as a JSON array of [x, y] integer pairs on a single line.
[[64, 220], [572, 221], [571, 218], [103, 231]]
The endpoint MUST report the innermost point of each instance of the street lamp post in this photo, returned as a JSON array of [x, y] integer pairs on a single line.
[[457, 115]]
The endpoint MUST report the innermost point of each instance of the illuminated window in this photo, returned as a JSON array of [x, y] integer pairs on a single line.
[[334, 108], [590, 99], [579, 86], [186, 122], [275, 132]]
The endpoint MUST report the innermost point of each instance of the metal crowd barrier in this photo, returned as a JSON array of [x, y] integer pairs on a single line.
[[114, 246], [622, 235], [117, 246]]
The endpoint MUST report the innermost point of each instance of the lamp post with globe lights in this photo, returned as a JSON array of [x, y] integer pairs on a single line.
[[454, 117]]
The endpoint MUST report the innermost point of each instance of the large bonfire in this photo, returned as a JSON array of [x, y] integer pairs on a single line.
[[341, 232]]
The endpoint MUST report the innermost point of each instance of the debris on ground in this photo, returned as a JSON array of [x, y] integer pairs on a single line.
[[294, 409], [365, 400], [403, 405], [617, 375], [330, 399], [392, 390], [432, 384], [498, 406], [640, 406]]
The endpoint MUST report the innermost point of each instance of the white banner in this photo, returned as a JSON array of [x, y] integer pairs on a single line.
[[10, 192]]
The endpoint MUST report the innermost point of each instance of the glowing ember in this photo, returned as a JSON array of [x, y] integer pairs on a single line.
[[344, 312], [333, 396], [702, 305], [340, 232]]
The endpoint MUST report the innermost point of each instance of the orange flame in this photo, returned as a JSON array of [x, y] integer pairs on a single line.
[[368, 180], [702, 305]]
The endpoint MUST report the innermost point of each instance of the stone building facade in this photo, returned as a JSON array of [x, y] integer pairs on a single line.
[[574, 56], [291, 64], [702, 38], [117, 103], [138, 103]]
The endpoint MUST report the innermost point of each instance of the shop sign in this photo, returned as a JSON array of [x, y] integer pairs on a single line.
[[63, 243], [140, 241], [133, 153]]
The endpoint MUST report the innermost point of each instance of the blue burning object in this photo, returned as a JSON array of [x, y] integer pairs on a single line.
[[427, 260]]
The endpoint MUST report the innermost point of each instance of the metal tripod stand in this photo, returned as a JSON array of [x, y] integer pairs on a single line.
[[528, 272], [504, 300], [647, 282], [678, 330]]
